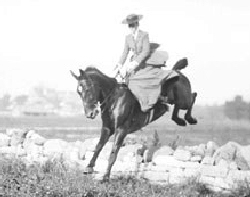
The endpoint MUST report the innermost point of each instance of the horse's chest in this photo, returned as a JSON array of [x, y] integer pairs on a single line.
[[118, 107]]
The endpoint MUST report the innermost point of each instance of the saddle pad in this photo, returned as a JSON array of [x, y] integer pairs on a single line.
[[146, 85]]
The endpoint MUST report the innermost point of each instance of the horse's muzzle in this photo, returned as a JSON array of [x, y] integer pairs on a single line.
[[92, 114]]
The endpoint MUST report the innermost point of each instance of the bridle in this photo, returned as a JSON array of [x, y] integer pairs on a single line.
[[91, 88]]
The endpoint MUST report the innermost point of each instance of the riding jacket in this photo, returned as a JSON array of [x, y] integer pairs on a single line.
[[139, 46]]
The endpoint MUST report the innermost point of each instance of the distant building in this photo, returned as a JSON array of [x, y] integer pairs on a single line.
[[5, 113], [45, 102], [34, 110], [70, 104]]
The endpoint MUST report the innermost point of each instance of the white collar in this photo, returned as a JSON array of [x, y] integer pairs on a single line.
[[136, 33]]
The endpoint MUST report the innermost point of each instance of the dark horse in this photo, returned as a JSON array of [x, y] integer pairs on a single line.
[[120, 111]]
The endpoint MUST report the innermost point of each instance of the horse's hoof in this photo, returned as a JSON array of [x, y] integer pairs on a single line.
[[193, 121], [88, 170], [181, 123], [105, 179]]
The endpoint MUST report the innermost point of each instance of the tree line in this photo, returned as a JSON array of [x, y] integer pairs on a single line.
[[47, 95], [237, 108]]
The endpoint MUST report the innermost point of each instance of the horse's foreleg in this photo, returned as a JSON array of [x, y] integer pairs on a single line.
[[188, 117], [119, 137], [176, 118], [105, 134]]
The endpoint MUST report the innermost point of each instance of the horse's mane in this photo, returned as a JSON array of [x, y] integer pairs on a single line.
[[92, 69], [95, 71]]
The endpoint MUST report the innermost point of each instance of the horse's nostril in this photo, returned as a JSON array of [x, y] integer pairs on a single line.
[[89, 114], [92, 114]]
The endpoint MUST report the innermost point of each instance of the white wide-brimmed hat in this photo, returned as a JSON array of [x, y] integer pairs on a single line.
[[132, 18]]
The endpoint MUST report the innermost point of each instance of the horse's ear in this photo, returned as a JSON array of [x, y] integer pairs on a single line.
[[73, 75], [82, 73]]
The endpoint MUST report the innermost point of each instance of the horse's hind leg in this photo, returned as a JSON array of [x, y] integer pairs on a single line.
[[105, 134], [188, 117], [176, 118]]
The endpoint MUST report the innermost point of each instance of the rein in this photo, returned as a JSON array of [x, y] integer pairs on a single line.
[[105, 100]]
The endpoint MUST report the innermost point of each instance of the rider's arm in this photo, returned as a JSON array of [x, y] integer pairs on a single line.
[[125, 53], [145, 49]]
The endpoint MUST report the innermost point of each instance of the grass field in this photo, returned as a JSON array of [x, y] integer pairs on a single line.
[[55, 179], [212, 126]]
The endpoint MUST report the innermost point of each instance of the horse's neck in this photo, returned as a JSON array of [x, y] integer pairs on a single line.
[[106, 91], [107, 86]]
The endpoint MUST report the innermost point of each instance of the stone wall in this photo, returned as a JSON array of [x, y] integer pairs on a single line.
[[220, 168]]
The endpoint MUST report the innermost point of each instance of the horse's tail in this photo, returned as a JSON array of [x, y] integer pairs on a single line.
[[179, 65]]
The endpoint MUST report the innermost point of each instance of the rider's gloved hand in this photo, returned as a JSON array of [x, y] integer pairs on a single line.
[[131, 66], [118, 67], [116, 70]]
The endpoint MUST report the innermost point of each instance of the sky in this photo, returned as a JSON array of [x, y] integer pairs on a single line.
[[41, 40]]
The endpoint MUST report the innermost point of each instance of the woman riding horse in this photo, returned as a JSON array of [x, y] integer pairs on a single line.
[[137, 43], [121, 112]]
